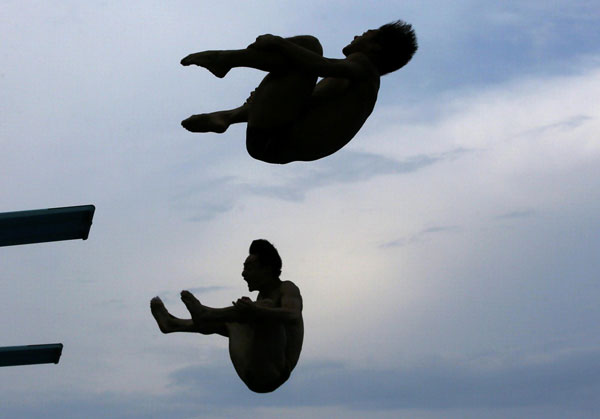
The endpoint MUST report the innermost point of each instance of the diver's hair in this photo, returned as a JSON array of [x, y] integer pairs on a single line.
[[267, 255], [398, 43]]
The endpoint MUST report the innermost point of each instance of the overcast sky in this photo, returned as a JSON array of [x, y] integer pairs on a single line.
[[447, 257]]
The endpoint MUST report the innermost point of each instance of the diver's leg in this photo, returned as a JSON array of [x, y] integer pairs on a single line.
[[276, 105], [257, 348], [216, 121], [257, 351], [201, 313], [219, 62], [168, 323]]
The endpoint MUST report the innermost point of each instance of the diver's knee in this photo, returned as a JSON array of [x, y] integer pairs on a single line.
[[307, 41]]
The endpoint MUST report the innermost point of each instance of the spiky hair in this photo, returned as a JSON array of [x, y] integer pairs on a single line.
[[398, 45]]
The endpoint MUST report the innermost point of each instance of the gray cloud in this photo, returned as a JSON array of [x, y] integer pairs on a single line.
[[220, 195], [208, 211], [420, 236], [208, 198], [567, 124], [571, 379], [105, 405], [350, 167]]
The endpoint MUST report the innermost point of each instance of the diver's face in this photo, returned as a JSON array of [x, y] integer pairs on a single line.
[[254, 274], [361, 43]]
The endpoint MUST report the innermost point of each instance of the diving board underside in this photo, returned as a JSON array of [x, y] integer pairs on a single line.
[[30, 354], [45, 225]]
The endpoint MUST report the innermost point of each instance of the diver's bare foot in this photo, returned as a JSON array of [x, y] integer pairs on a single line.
[[161, 315], [196, 309], [208, 122], [209, 60]]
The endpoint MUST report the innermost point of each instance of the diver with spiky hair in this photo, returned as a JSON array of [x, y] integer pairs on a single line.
[[290, 117]]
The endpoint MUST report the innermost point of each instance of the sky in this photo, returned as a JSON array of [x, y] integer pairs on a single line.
[[447, 256]]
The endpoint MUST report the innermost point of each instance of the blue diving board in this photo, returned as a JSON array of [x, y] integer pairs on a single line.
[[30, 354], [45, 225]]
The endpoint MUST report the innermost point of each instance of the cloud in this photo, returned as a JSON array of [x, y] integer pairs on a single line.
[[420, 236], [570, 379], [570, 123], [350, 167], [207, 199], [222, 194], [104, 405]]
